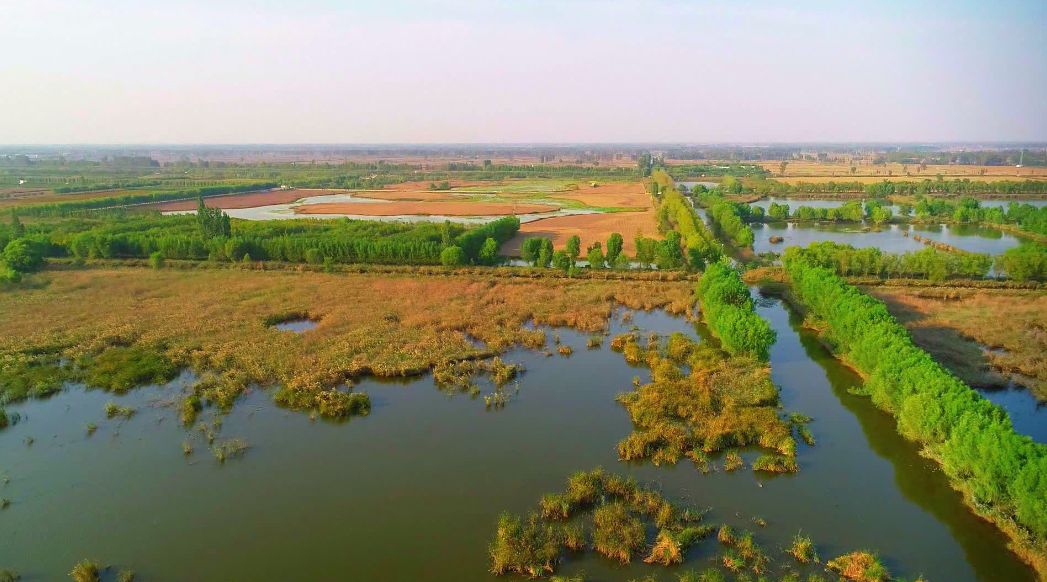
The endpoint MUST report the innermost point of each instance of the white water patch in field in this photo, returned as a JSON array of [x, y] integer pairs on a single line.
[[287, 211]]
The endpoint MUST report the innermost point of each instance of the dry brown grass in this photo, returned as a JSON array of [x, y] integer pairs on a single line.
[[249, 200], [383, 324], [590, 228], [951, 323], [605, 194]]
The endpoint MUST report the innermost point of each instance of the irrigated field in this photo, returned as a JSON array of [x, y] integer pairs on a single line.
[[986, 336]]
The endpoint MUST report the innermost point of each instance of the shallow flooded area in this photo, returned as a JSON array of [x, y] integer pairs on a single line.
[[413, 490], [892, 238]]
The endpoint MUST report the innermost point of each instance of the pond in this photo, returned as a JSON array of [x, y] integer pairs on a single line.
[[413, 491], [795, 203], [300, 325], [889, 238]]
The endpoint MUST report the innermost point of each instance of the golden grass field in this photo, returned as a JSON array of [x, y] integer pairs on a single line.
[[804, 171], [590, 228], [388, 325], [951, 323]]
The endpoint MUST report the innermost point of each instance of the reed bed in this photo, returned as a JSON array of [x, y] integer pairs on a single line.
[[721, 403], [128, 326]]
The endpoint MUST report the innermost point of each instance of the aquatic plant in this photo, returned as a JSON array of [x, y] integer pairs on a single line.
[[775, 464], [721, 402], [125, 576], [9, 576], [113, 409], [191, 406], [229, 449], [91, 428], [187, 448], [524, 547], [617, 533], [859, 566], [86, 571], [802, 549], [4, 503], [565, 351], [621, 511], [725, 535], [707, 575], [732, 460]]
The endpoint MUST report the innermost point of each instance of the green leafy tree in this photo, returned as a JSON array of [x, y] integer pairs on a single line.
[[562, 261], [452, 256], [23, 256], [545, 253], [615, 242], [574, 247], [596, 257], [489, 252]]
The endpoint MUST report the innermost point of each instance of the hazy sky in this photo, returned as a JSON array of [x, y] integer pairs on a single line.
[[263, 71]]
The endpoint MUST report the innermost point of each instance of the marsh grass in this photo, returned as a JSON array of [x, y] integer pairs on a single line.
[[802, 548], [700, 401], [121, 368], [732, 461], [229, 449], [125, 326], [621, 513], [859, 566], [86, 571], [113, 409]]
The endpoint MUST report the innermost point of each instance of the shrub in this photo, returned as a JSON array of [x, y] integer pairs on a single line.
[[452, 256]]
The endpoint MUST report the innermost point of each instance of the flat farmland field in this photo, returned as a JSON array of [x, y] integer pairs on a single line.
[[840, 171], [590, 228]]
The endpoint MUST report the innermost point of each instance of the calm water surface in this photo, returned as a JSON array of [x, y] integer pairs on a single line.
[[414, 490], [889, 238]]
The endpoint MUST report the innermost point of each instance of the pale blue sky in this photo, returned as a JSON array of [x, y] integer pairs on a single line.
[[262, 71]]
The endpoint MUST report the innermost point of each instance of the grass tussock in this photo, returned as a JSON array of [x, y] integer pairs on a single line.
[[86, 571], [113, 410], [860, 566], [802, 548], [699, 402]]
